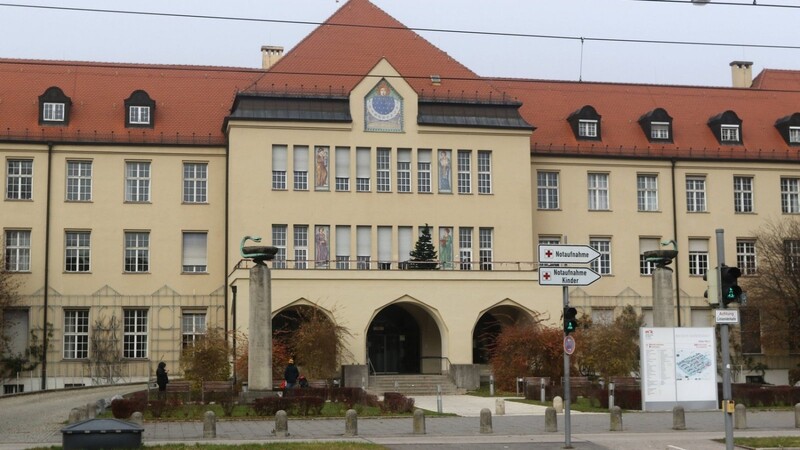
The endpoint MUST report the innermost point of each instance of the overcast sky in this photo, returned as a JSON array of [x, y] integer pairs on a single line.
[[34, 33]]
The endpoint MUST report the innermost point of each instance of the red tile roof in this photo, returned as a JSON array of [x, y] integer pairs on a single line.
[[777, 80], [191, 101]]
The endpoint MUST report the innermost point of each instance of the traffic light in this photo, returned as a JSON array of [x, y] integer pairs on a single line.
[[730, 292], [570, 321], [712, 293]]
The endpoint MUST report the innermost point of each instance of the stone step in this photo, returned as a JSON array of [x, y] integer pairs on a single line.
[[413, 384]]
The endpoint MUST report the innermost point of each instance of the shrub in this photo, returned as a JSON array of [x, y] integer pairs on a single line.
[[305, 405], [268, 406], [122, 408], [395, 402]]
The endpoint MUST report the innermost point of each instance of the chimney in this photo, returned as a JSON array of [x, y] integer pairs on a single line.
[[742, 74], [270, 55]]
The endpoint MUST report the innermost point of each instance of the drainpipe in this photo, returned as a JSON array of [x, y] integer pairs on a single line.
[[675, 234], [46, 262], [227, 193]]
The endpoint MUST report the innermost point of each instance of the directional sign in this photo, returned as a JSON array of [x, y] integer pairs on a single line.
[[567, 276], [566, 254]]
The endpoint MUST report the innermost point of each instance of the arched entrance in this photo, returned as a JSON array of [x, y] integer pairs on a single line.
[[403, 338], [489, 326]]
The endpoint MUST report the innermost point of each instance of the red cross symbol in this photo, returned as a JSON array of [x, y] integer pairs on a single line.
[[546, 275], [548, 253]]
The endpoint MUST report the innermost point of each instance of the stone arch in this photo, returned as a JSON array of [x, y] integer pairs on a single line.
[[490, 322]]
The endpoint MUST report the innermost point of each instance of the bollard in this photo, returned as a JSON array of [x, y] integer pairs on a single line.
[[797, 415], [439, 398], [137, 418], [610, 395], [500, 407], [678, 418], [281, 424], [491, 385], [419, 421], [351, 423], [616, 419], [740, 417], [91, 410], [558, 404], [209, 425], [541, 394], [550, 420], [486, 421], [74, 416]]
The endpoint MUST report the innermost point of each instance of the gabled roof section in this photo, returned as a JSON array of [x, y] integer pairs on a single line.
[[192, 101], [339, 53], [775, 79]]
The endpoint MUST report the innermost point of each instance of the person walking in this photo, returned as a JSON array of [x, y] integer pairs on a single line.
[[291, 374], [162, 378]]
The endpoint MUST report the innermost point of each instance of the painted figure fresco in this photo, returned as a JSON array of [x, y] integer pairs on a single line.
[[321, 164], [445, 172]]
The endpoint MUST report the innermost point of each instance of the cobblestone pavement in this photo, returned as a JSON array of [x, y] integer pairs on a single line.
[[31, 419]]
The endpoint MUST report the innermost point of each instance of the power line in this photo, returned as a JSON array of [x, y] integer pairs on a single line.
[[434, 30], [721, 3]]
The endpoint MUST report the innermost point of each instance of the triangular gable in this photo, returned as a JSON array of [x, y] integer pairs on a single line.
[[50, 292], [165, 291], [106, 291]]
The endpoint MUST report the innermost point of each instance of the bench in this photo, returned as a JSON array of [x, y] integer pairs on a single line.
[[211, 387], [625, 382], [180, 388]]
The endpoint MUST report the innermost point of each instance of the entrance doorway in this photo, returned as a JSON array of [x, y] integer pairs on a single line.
[[393, 342]]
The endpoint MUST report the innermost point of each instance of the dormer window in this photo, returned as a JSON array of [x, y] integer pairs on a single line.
[[789, 128], [54, 107], [727, 128], [586, 124], [139, 110], [657, 125]]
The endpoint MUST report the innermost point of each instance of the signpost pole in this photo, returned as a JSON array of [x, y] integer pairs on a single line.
[[726, 356], [567, 429]]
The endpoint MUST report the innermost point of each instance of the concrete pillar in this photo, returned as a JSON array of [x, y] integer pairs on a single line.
[[486, 421], [558, 404], [797, 415], [209, 425], [281, 424], [137, 418], [616, 419], [74, 416], [550, 420], [259, 359], [663, 302], [500, 407], [419, 421], [678, 418], [351, 423], [740, 417]]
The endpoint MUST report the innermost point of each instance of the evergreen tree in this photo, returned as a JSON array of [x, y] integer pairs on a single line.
[[424, 249]]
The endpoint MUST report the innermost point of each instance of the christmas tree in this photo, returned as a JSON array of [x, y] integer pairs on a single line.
[[424, 249]]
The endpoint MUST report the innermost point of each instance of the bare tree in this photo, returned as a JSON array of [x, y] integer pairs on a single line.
[[105, 360], [775, 293]]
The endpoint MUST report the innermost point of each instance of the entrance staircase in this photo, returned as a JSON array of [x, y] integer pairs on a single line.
[[410, 385]]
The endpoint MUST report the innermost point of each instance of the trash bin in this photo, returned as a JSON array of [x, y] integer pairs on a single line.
[[96, 434]]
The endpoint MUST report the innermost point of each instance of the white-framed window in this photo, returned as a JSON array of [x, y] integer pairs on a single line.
[[384, 247], [405, 241], [464, 171], [743, 194], [746, 256], [484, 172], [79, 181], [549, 240], [77, 251], [659, 130], [547, 190], [792, 254], [195, 252], [139, 115], [279, 240], [384, 166], [587, 128], [53, 112], [695, 193], [18, 250], [300, 246], [698, 257], [134, 333], [790, 195], [193, 327], [363, 169], [137, 181], [404, 170], [342, 162], [424, 170], [19, 179], [137, 251], [363, 246], [647, 192], [76, 333], [794, 135], [602, 264], [300, 160], [485, 250], [195, 182], [598, 191], [729, 133], [646, 245], [602, 316], [465, 248], [279, 167], [343, 247]]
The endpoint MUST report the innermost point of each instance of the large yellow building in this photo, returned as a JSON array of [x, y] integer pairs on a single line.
[[128, 189]]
